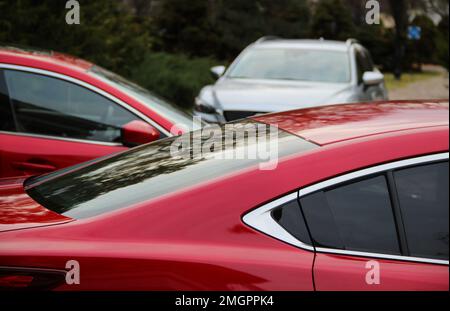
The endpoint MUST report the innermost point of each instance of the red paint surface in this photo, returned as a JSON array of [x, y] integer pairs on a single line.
[[194, 239], [18, 210], [347, 273], [330, 124], [57, 154]]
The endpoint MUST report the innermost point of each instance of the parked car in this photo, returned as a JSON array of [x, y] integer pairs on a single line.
[[277, 74], [359, 189], [57, 110]]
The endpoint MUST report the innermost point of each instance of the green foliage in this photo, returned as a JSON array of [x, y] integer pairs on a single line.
[[332, 20], [284, 18], [175, 77], [442, 37], [107, 35], [183, 26], [424, 49], [223, 28]]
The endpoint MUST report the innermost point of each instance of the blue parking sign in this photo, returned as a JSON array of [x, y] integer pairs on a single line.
[[414, 32]]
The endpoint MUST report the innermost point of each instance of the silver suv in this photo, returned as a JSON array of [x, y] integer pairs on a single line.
[[277, 74]]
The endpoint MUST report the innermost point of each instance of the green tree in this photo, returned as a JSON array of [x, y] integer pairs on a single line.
[[442, 38], [240, 23], [223, 28], [183, 27], [332, 20], [399, 12], [107, 35], [424, 49]]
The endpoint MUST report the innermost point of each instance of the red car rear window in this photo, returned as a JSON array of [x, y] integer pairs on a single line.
[[146, 172]]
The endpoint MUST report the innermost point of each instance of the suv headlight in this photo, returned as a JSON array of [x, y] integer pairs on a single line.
[[202, 106]]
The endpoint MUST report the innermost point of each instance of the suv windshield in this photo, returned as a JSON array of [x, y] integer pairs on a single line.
[[152, 170], [293, 64], [157, 104]]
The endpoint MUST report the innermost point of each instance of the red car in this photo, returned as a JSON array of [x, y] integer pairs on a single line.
[[57, 111], [357, 201]]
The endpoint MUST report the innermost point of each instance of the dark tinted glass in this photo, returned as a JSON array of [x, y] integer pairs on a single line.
[[359, 65], [150, 171], [356, 216], [154, 102], [363, 62], [321, 223], [50, 106], [6, 116], [370, 64], [290, 217], [423, 195]]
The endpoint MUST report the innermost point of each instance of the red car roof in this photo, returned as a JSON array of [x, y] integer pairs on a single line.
[[329, 124], [46, 56]]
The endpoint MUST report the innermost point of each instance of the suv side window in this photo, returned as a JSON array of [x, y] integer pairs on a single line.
[[370, 63], [50, 106], [355, 216], [363, 62], [6, 116], [424, 205]]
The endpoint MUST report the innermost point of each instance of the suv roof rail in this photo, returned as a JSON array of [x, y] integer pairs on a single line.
[[267, 38], [351, 41]]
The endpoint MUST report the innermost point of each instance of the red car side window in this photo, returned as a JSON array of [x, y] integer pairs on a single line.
[[50, 106]]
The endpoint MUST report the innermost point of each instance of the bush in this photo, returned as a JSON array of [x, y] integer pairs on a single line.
[[174, 76]]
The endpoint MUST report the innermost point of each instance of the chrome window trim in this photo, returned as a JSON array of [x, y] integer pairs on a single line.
[[75, 140], [372, 170], [261, 220], [90, 87], [381, 256]]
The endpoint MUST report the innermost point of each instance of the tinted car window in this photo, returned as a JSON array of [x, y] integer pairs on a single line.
[[154, 102], [151, 170], [50, 106], [423, 196], [290, 217], [356, 216], [363, 63], [370, 64], [6, 116], [320, 220]]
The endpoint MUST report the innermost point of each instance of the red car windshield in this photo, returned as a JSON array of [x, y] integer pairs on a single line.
[[149, 171]]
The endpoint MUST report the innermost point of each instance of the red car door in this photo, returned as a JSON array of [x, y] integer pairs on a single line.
[[334, 272], [48, 123], [28, 155], [383, 231]]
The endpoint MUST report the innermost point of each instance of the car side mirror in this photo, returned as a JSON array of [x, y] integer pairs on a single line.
[[217, 71], [372, 78], [137, 133]]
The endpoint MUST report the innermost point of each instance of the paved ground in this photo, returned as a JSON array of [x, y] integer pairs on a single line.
[[432, 88]]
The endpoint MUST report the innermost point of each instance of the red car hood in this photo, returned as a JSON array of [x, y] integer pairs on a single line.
[[19, 211]]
